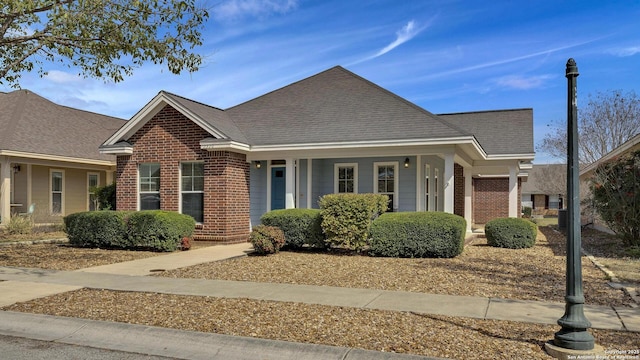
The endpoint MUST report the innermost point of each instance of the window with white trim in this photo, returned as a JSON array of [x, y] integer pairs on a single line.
[[192, 190], [149, 188], [436, 172], [57, 192], [345, 178], [427, 174], [93, 181], [386, 182]]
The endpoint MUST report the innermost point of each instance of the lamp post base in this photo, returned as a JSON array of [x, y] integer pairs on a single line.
[[562, 353], [574, 339]]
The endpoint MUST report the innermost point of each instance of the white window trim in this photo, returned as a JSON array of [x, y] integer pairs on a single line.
[[336, 167], [62, 207], [88, 188], [427, 191], [188, 192], [395, 180], [436, 190], [138, 192]]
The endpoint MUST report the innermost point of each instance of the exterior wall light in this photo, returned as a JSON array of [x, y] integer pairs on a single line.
[[258, 164], [406, 163]]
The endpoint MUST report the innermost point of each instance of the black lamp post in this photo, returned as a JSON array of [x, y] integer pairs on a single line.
[[574, 334]]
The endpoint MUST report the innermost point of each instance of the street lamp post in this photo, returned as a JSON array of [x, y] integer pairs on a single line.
[[574, 334]]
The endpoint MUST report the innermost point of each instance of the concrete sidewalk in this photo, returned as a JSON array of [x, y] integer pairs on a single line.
[[22, 284]]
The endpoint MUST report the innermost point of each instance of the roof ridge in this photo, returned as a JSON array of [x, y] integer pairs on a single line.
[[484, 111]]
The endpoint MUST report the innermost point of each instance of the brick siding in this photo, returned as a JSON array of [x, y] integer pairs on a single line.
[[491, 199], [458, 190], [169, 139]]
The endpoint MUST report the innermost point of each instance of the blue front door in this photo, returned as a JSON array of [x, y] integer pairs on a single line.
[[278, 188]]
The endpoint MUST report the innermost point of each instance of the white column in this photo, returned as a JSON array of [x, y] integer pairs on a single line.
[[448, 183], [5, 189], [513, 191], [419, 184], [468, 194], [290, 184], [309, 183]]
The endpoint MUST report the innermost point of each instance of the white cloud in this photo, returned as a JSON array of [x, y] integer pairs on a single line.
[[522, 82], [235, 9], [61, 77], [408, 32], [624, 52]]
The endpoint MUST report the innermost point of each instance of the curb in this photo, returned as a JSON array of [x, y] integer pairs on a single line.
[[35, 242]]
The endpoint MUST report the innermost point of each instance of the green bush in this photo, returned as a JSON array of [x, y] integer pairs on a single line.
[[106, 196], [19, 225], [346, 218], [158, 230], [511, 233], [266, 239], [105, 229], [418, 234], [300, 226], [149, 230], [526, 212]]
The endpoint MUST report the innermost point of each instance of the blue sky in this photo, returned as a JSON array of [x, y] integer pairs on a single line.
[[444, 55]]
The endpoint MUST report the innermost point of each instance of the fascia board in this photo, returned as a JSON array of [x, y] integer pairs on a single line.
[[26, 155]]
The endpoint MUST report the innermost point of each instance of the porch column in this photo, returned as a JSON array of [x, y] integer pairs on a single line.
[[448, 183], [513, 191], [419, 184], [289, 184], [309, 183], [5, 189], [468, 194]]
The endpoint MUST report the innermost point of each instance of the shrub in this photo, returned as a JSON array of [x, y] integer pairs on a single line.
[[19, 225], [96, 228], [418, 234], [615, 189], [511, 233], [158, 230], [300, 226], [266, 239], [346, 218], [526, 212], [106, 196]]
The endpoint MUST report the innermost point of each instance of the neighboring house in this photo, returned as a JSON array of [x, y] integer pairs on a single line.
[[544, 189], [587, 172], [330, 133], [49, 156]]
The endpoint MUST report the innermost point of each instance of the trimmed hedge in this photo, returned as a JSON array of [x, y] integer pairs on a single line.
[[300, 226], [511, 233], [418, 234], [346, 218], [266, 239], [104, 229], [158, 230], [151, 229]]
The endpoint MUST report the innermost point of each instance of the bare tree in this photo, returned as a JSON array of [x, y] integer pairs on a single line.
[[606, 122]]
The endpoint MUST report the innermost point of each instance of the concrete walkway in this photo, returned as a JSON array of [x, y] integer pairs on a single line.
[[22, 284]]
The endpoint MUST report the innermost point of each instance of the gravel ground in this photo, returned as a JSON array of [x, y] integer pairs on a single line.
[[532, 274]]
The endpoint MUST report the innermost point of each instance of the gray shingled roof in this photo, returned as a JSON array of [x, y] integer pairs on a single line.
[[499, 131], [336, 106], [541, 173], [215, 117], [33, 124]]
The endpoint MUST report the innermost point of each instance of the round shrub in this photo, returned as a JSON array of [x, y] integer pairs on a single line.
[[300, 226], [418, 234], [266, 239], [105, 229], [511, 233], [158, 230]]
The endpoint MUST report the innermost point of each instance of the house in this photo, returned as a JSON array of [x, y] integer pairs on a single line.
[[49, 156], [545, 188], [588, 171], [332, 132]]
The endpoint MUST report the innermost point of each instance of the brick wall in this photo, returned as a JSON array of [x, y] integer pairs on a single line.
[[491, 199], [169, 138], [458, 190]]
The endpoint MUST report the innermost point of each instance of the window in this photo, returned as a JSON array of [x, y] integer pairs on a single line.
[[57, 188], [149, 186], [386, 182], [346, 178], [92, 182], [436, 172], [192, 190], [427, 174]]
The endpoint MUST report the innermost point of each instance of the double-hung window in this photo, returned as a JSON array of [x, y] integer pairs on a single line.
[[192, 190], [436, 172], [386, 182], [149, 191], [346, 178], [427, 174], [57, 195], [92, 184]]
